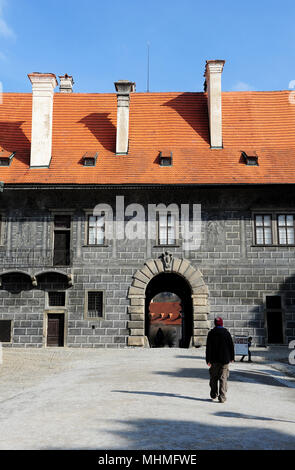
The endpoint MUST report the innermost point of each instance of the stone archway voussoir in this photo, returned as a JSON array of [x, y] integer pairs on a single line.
[[147, 272], [189, 273], [183, 267], [151, 265], [141, 277], [136, 292], [140, 284], [176, 262], [200, 289], [159, 265]]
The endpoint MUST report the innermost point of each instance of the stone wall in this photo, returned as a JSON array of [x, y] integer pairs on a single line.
[[238, 274]]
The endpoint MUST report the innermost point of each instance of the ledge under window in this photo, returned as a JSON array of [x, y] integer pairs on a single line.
[[273, 246], [96, 246], [167, 246]]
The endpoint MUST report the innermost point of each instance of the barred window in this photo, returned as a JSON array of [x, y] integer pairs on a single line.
[[56, 299], [94, 304], [96, 230], [167, 229], [263, 229], [285, 229]]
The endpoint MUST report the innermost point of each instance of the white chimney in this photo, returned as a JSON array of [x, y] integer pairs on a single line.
[[43, 85], [213, 73], [66, 83], [123, 88]]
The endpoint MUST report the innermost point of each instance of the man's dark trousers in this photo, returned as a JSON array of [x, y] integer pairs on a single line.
[[218, 373]]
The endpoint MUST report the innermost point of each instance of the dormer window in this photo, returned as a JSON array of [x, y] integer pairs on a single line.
[[5, 157], [89, 159], [165, 158], [250, 160]]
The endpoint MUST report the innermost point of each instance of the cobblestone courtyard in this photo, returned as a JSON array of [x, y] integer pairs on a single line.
[[139, 399]]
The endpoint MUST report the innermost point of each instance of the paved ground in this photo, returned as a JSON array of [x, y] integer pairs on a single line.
[[140, 399]]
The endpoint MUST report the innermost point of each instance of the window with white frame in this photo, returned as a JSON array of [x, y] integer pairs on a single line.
[[96, 229], [167, 229], [263, 229], [285, 229], [276, 228]]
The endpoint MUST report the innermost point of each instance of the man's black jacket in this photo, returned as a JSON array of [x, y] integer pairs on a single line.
[[219, 347]]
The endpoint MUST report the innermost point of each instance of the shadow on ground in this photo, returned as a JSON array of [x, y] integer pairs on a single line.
[[258, 377], [158, 434], [160, 394], [230, 414]]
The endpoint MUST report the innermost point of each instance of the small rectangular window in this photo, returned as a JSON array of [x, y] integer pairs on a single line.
[[285, 229], [6, 157], [4, 162], [263, 229], [96, 230], [56, 299], [5, 331], [89, 159], [94, 304], [250, 159], [89, 162], [165, 158]]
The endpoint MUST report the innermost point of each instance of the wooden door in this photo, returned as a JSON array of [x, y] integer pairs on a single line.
[[55, 329]]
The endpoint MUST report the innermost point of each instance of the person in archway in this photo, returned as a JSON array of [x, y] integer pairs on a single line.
[[159, 339], [219, 353], [249, 352]]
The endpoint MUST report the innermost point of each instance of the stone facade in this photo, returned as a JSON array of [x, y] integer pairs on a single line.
[[229, 275]]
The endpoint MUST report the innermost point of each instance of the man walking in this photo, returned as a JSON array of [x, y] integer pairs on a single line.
[[219, 353]]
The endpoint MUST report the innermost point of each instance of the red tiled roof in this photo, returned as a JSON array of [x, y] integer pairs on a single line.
[[260, 122], [165, 312]]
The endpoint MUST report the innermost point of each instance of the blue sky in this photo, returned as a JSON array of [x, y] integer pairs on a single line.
[[99, 42]]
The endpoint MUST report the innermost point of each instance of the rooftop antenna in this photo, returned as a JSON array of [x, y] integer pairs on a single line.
[[148, 68]]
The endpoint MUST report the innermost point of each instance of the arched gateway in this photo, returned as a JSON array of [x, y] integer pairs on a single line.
[[138, 292]]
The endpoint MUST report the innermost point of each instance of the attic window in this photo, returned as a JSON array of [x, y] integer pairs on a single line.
[[89, 159], [165, 159], [250, 160], [5, 157]]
